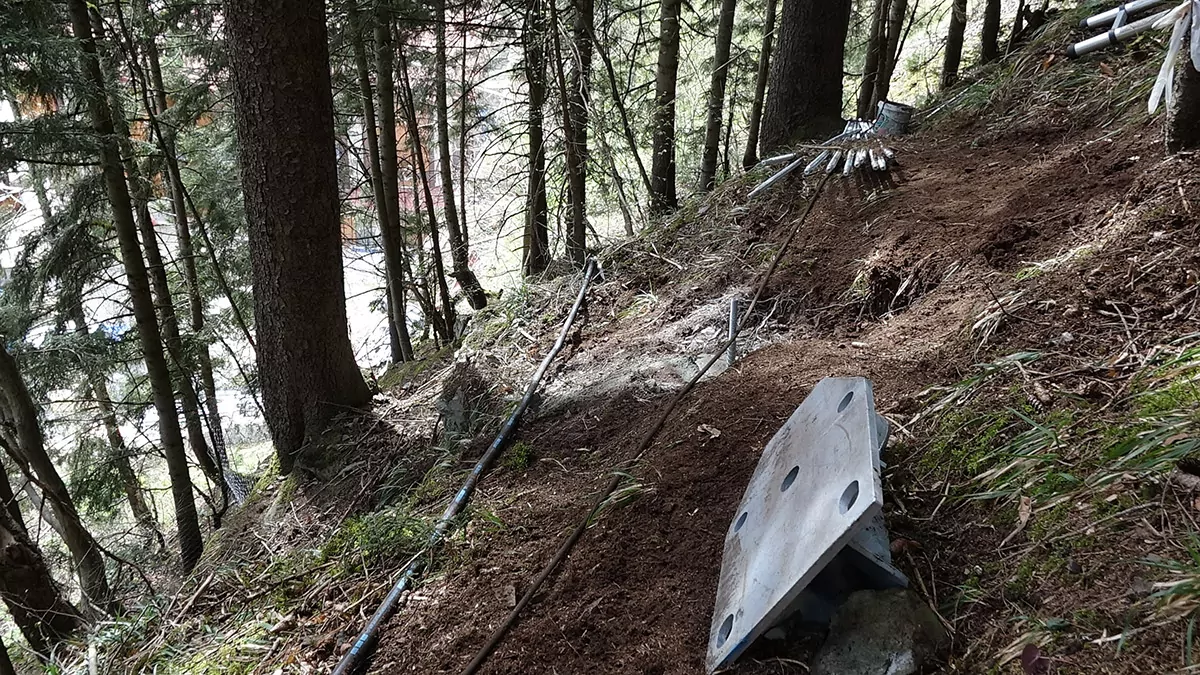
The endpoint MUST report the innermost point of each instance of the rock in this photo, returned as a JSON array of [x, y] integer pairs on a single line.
[[466, 398], [890, 632]]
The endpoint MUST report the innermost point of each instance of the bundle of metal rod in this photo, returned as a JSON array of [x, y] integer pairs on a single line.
[[1182, 20], [859, 147], [1116, 16], [1113, 36]]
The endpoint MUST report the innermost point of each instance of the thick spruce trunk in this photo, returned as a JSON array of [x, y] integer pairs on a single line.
[[663, 197], [280, 62], [804, 97]]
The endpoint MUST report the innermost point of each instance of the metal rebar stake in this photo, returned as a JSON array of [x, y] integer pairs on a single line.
[[734, 306]]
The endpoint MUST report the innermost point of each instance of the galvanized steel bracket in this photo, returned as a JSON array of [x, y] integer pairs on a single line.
[[809, 530]]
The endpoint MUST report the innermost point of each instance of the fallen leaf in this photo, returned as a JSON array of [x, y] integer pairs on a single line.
[[1032, 661], [1024, 511], [286, 623], [901, 545], [712, 432]]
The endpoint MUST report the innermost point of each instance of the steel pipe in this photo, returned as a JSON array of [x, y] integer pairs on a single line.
[[1113, 36], [360, 652], [1109, 17]]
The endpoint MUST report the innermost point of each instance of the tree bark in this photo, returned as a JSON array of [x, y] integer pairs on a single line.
[[44, 513], [170, 438], [716, 97], [663, 197], [578, 104], [891, 51], [876, 44], [20, 412], [954, 43], [476, 297], [1018, 27], [189, 400], [6, 666], [385, 165], [421, 287], [9, 499], [989, 49], [1184, 126], [750, 158], [34, 600], [537, 236], [804, 98], [280, 63], [414, 138]]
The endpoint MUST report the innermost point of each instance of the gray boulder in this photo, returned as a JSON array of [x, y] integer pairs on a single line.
[[892, 632]]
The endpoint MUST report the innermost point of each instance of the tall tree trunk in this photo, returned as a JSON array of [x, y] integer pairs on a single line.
[[36, 603], [1018, 27], [989, 49], [476, 297], [804, 98], [140, 192], [22, 414], [421, 287], [750, 158], [463, 140], [418, 148], [183, 233], [280, 61], [189, 400], [666, 75], [537, 237], [954, 43], [170, 438], [6, 665], [891, 51], [9, 499], [876, 44], [622, 111], [98, 389], [384, 162], [725, 165], [618, 182], [716, 97], [578, 104], [44, 513], [1183, 129]]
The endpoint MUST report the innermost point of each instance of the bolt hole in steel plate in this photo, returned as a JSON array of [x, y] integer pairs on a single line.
[[740, 521], [815, 485], [726, 629]]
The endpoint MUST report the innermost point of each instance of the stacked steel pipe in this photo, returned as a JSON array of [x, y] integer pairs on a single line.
[[860, 147]]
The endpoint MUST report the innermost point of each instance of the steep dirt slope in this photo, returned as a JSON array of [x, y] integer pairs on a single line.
[[970, 209]]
